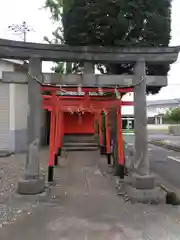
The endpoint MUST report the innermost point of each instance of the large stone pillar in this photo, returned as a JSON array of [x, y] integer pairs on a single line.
[[143, 186], [32, 182], [140, 116]]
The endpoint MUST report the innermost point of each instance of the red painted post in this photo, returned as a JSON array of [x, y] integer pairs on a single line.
[[100, 129], [60, 125], [108, 145], [52, 143], [100, 133], [56, 136], [120, 142], [56, 132]]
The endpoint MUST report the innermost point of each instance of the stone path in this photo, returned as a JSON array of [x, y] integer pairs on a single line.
[[84, 205]]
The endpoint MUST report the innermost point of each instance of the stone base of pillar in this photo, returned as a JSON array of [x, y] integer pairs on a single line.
[[155, 195], [102, 150], [143, 189], [31, 186], [143, 182]]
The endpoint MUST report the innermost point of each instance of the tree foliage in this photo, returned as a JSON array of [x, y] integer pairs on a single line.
[[123, 23], [173, 115]]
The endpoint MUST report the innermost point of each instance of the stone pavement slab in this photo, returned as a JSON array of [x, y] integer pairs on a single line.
[[83, 204]]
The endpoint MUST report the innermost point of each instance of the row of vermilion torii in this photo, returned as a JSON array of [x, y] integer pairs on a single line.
[[100, 106]]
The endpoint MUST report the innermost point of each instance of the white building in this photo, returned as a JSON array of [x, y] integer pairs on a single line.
[[156, 109]]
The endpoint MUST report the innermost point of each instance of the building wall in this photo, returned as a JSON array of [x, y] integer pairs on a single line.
[[157, 109], [5, 66], [4, 117], [19, 113], [6, 143], [13, 110]]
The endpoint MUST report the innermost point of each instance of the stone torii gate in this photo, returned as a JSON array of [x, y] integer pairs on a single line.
[[143, 183]]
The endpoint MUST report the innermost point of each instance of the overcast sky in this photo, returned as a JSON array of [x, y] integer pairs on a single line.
[[16, 11]]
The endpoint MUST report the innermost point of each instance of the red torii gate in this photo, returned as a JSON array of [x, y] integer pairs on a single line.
[[58, 104]]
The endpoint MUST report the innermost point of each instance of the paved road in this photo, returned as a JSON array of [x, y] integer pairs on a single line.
[[159, 136], [166, 163]]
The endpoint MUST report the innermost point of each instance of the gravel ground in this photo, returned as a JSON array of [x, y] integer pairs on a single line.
[[11, 168], [12, 206]]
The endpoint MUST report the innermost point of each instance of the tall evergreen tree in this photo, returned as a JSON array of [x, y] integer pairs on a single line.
[[123, 23]]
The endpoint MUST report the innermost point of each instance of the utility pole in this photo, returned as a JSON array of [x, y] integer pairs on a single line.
[[23, 29]]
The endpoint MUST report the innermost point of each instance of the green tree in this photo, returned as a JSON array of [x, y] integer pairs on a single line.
[[114, 23], [173, 116]]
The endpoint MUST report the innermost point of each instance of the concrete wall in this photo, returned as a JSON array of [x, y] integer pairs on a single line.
[[165, 128], [174, 129], [160, 128]]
